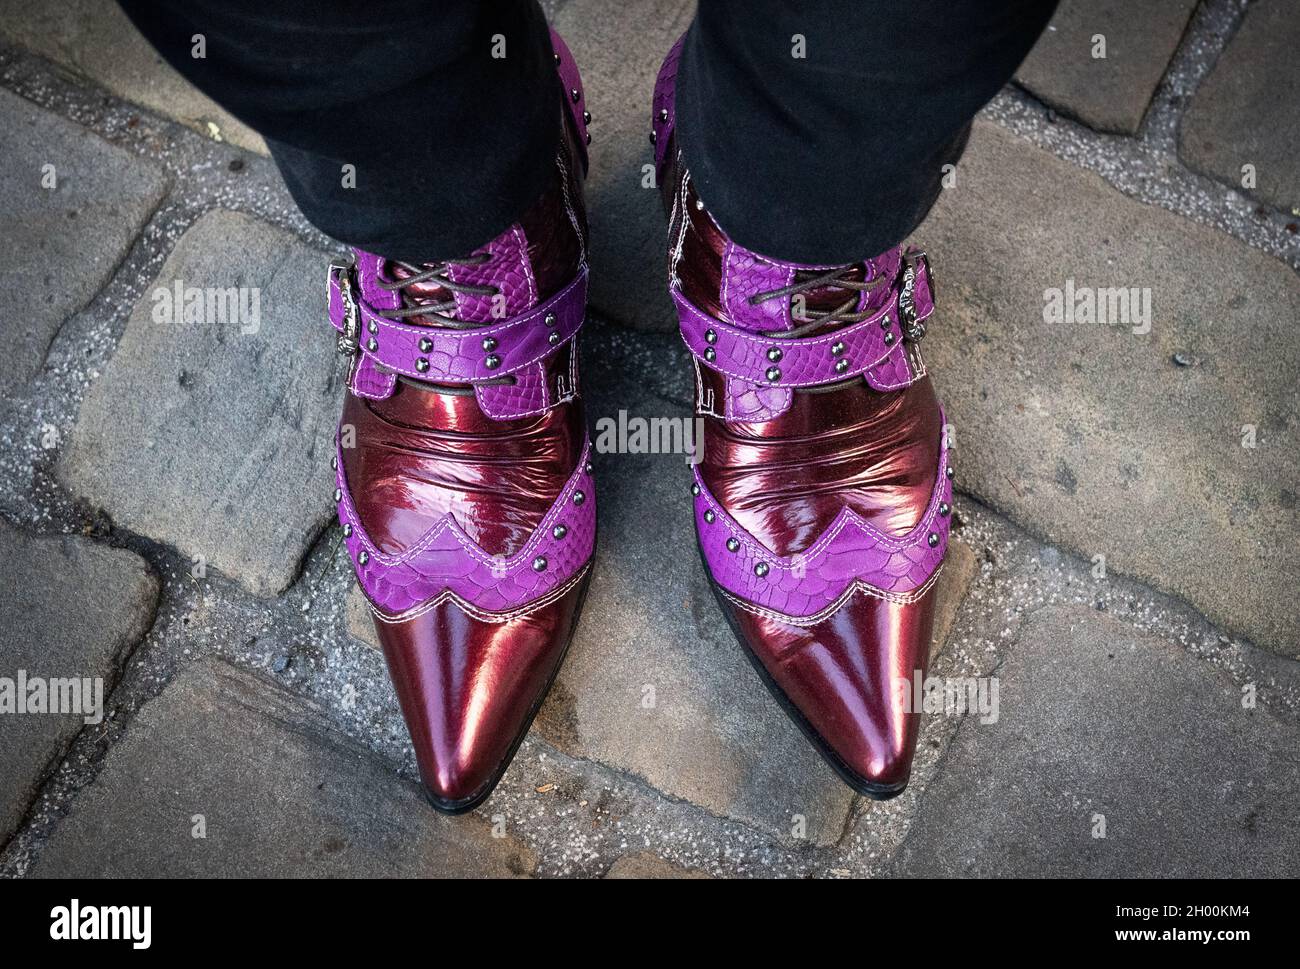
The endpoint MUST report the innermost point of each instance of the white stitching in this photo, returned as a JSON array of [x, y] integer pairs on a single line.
[[857, 585], [470, 609]]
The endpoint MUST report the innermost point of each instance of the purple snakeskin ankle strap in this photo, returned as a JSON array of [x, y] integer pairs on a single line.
[[873, 348]]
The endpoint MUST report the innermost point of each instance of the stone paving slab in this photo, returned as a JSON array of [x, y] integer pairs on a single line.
[[1114, 443], [1100, 722], [69, 609], [66, 227], [1110, 93], [619, 57], [647, 865], [1247, 112], [213, 433], [281, 794], [96, 40]]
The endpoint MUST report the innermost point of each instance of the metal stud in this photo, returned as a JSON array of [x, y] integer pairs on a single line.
[[761, 570], [588, 468], [558, 532], [733, 545], [363, 557], [709, 516], [663, 114], [695, 488], [841, 366], [710, 337], [489, 344], [889, 339], [425, 344], [334, 462], [710, 354], [550, 319], [372, 344], [539, 564], [586, 117], [652, 137], [699, 205], [588, 137], [579, 497], [886, 322], [338, 496], [576, 95], [933, 540], [421, 364], [949, 471], [372, 326], [557, 60], [774, 354], [492, 361], [944, 509], [347, 530], [837, 348], [773, 374], [553, 339]]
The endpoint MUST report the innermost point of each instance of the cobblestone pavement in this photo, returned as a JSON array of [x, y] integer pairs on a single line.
[[1127, 528]]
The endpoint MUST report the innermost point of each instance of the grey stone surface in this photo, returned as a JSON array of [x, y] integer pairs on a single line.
[[212, 434], [360, 623], [1094, 436], [96, 40], [655, 683], [1110, 93], [1100, 722], [1247, 112], [959, 570], [647, 865], [619, 57], [69, 609], [62, 243], [280, 792]]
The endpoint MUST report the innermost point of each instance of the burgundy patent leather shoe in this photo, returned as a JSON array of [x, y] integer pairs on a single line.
[[464, 485], [823, 500]]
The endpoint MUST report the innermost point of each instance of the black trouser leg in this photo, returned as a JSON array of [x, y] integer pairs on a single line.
[[838, 154], [450, 144]]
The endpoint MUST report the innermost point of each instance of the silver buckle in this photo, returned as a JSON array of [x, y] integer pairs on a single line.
[[349, 342], [913, 328]]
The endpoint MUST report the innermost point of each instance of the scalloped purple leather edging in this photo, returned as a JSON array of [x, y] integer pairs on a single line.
[[447, 563], [850, 556]]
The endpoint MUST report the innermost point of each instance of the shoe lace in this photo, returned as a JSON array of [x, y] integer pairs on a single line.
[[811, 320], [439, 312]]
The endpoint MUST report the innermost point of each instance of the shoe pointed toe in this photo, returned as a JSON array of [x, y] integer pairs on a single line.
[[470, 685], [848, 681]]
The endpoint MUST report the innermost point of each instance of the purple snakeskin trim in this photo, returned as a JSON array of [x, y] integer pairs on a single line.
[[665, 111], [439, 355], [447, 563], [860, 349], [850, 556], [567, 68]]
